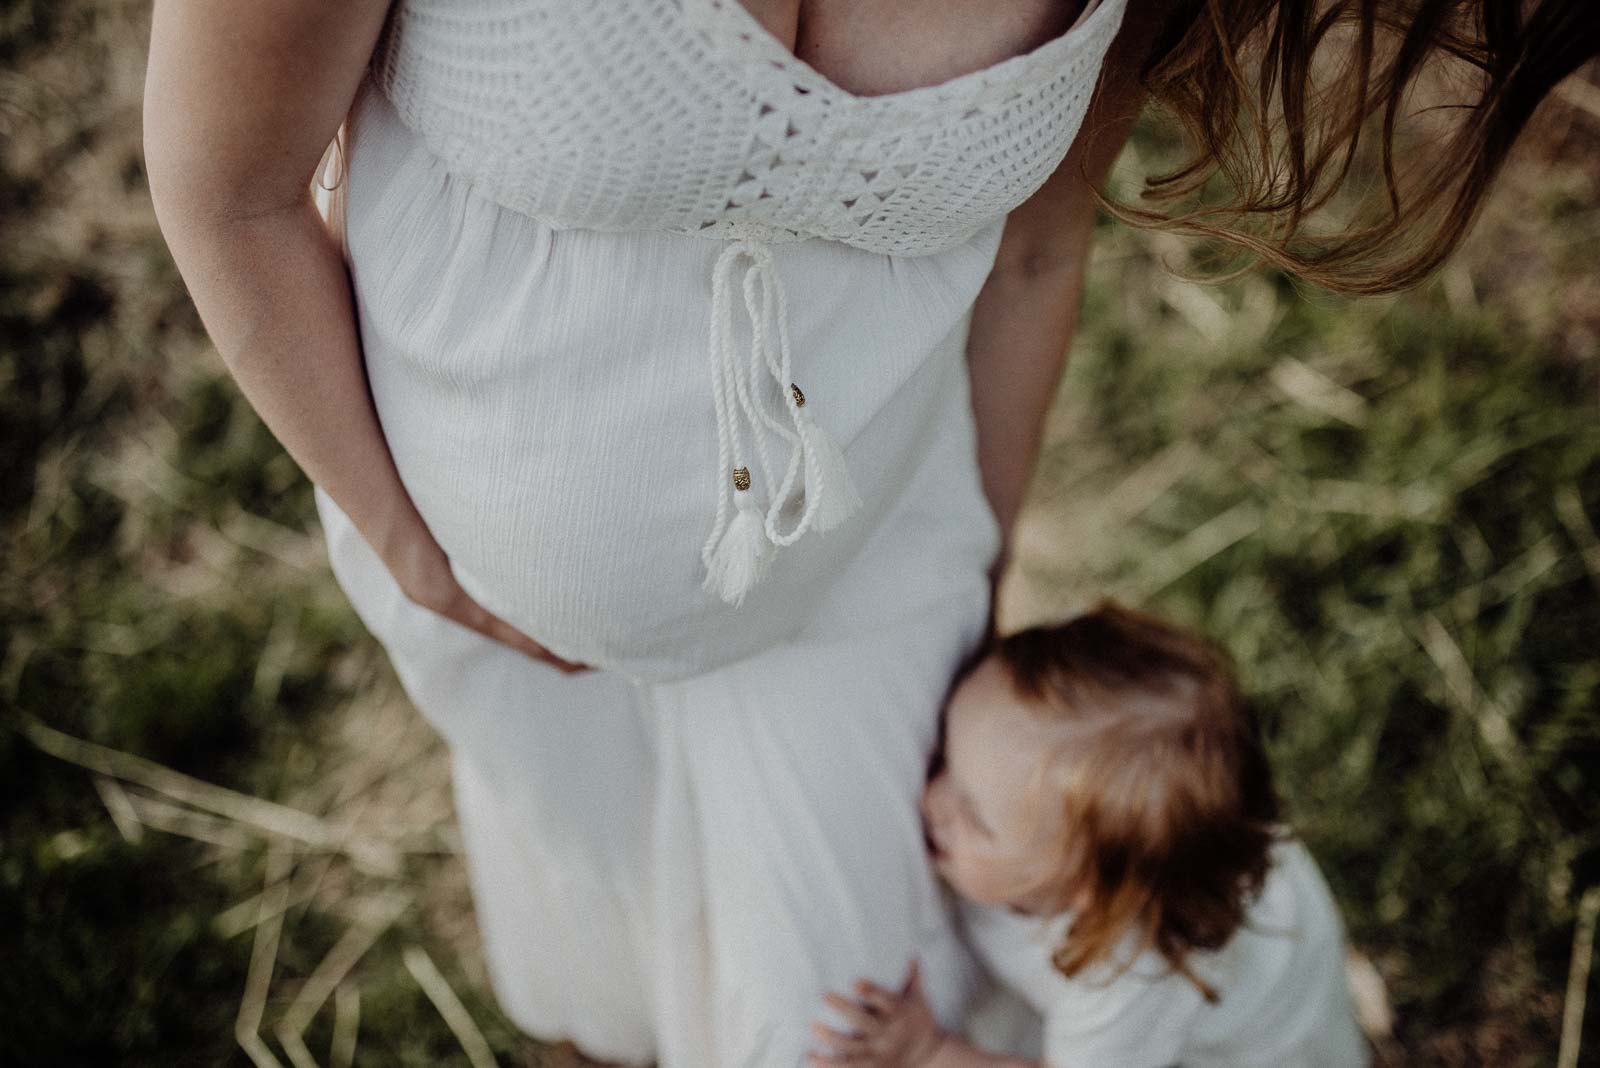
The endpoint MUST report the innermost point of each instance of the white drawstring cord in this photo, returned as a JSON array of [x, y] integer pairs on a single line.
[[740, 546], [736, 554], [831, 496]]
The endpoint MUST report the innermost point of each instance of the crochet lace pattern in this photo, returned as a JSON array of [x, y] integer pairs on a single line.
[[689, 116]]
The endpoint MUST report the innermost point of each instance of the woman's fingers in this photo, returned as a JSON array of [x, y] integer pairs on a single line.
[[501, 631], [424, 575], [469, 613]]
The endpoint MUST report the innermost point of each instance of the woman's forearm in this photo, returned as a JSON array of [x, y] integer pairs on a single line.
[[1027, 312], [1022, 327], [274, 295]]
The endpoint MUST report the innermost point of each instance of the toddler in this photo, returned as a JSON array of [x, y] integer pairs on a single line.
[[1103, 808]]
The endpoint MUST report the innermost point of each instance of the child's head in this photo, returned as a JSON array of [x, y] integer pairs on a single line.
[[1108, 765]]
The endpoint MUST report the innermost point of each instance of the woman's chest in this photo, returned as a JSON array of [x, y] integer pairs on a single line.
[[876, 47]]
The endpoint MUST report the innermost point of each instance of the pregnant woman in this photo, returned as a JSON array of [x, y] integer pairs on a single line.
[[689, 365]]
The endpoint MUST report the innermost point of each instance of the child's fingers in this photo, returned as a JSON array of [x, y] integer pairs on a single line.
[[858, 1017], [914, 984], [840, 1043], [824, 1060], [877, 1000]]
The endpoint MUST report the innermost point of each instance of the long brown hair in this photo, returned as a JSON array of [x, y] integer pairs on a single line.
[[1168, 805], [1282, 98]]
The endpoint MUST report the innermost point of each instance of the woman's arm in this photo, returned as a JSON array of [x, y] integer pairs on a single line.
[[241, 99], [1025, 315]]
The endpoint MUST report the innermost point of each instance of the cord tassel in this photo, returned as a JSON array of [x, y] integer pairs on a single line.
[[827, 476], [745, 537], [743, 553]]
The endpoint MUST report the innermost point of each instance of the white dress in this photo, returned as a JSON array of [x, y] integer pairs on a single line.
[[1284, 1000], [592, 245]]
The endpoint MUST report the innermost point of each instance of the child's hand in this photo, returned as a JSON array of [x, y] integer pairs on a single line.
[[891, 1030]]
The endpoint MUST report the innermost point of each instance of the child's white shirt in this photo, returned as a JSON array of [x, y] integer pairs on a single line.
[[1284, 1003]]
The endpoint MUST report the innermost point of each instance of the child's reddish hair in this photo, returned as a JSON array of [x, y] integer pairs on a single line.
[[1168, 800]]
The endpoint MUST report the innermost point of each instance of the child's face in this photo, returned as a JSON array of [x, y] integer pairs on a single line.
[[990, 836]]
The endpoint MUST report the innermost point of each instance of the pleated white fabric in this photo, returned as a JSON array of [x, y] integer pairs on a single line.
[[675, 856]]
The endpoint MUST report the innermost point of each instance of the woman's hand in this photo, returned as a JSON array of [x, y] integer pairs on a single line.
[[890, 1030], [241, 99], [420, 566]]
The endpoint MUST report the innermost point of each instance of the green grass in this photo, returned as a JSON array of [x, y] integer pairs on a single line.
[[1385, 509]]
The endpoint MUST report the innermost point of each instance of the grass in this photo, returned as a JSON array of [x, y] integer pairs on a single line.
[[1386, 509]]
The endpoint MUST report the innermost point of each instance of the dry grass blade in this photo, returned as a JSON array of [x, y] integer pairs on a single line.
[[1543, 562], [253, 910], [19, 650], [1569, 508], [1462, 690], [1202, 543], [263, 958], [1314, 390], [286, 546], [346, 1025], [119, 808], [1377, 501], [455, 1014], [1198, 306], [267, 816], [294, 1044], [1145, 485], [1578, 979], [161, 814], [275, 659], [350, 948]]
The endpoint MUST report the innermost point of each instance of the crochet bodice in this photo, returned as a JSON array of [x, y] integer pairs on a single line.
[[690, 116]]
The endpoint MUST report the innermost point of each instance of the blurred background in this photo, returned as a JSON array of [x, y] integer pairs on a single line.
[[226, 837]]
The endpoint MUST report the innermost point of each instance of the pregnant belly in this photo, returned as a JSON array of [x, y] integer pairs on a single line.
[[573, 498], [547, 398]]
